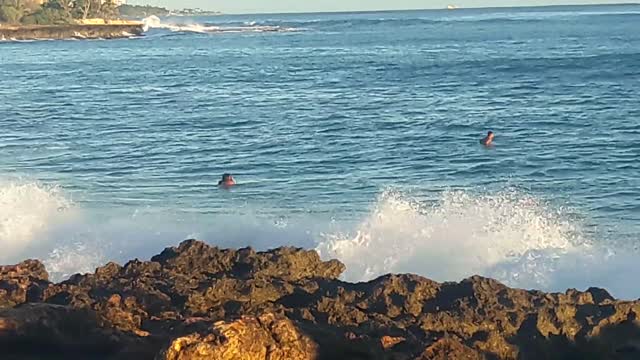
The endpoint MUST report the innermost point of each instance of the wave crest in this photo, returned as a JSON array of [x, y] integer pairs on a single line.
[[511, 236], [153, 22], [27, 212], [458, 236]]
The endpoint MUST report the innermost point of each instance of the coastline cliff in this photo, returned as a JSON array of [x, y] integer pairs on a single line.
[[72, 31], [195, 301]]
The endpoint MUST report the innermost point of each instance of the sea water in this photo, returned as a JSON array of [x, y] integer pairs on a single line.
[[354, 134]]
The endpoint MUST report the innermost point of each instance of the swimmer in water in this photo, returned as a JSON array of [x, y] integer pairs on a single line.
[[227, 181], [488, 141]]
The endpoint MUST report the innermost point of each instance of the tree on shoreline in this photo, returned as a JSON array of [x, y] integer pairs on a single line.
[[84, 7], [10, 14], [109, 10], [55, 12], [11, 11]]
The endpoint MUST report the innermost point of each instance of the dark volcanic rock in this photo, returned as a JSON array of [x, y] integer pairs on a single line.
[[34, 330], [448, 348], [286, 263], [22, 283], [195, 301]]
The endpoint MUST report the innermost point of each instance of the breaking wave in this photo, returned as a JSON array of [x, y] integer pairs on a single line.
[[153, 22], [459, 235], [510, 236], [43, 222], [27, 212]]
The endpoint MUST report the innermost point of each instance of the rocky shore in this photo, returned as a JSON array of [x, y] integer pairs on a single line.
[[62, 32], [200, 302]]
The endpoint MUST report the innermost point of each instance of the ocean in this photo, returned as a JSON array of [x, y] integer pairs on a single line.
[[356, 134]]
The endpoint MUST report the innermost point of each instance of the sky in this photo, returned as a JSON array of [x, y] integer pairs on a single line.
[[279, 6]]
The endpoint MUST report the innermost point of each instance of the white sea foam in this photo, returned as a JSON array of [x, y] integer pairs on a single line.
[[38, 221], [153, 22], [458, 236], [510, 236], [27, 213]]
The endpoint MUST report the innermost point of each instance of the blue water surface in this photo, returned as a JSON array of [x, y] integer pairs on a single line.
[[319, 118]]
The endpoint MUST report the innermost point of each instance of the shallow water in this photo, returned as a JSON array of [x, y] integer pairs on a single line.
[[356, 134]]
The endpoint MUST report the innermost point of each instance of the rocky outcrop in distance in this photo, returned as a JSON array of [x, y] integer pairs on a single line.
[[195, 301], [63, 32]]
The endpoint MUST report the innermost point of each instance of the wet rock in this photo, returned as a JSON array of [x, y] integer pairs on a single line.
[[43, 330], [203, 299], [123, 315], [21, 283], [285, 263], [197, 279], [448, 348]]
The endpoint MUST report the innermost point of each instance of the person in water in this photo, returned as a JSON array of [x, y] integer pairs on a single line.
[[487, 141], [227, 181]]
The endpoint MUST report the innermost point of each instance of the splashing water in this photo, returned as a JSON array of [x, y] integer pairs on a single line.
[[38, 221], [27, 212], [153, 22], [66, 260], [509, 236]]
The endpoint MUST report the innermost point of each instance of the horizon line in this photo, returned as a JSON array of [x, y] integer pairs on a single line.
[[426, 9]]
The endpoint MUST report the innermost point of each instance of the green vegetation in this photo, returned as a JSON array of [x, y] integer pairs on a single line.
[[54, 12], [47, 16], [58, 12], [9, 14], [142, 11]]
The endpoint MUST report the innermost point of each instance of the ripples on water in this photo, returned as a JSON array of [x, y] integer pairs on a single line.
[[321, 124]]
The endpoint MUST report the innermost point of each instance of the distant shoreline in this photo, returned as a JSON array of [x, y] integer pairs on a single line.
[[67, 32]]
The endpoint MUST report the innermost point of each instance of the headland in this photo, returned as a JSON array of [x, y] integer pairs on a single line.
[[110, 30], [70, 19]]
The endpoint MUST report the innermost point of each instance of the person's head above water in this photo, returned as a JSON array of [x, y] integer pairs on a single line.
[[488, 140], [227, 180]]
